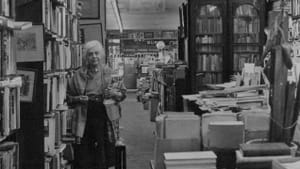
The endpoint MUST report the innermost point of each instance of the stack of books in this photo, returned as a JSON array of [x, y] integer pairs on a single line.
[[190, 160], [176, 132], [261, 155]]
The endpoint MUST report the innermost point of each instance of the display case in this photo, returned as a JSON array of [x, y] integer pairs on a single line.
[[223, 35], [246, 32]]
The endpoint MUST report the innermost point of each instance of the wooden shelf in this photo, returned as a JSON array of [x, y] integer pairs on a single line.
[[240, 52], [203, 72], [11, 83], [14, 25], [209, 33], [212, 44], [209, 17], [208, 52], [245, 33], [243, 44], [245, 16], [296, 17]]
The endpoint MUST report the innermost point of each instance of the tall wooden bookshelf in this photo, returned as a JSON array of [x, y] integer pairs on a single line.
[[46, 119], [10, 87], [222, 36], [295, 20]]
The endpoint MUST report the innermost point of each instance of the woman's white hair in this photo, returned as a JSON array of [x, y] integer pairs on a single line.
[[88, 46]]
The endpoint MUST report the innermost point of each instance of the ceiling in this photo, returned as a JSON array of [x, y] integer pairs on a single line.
[[145, 14]]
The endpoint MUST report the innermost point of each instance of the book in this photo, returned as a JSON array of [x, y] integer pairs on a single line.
[[194, 155], [9, 155], [192, 160], [219, 131], [265, 149]]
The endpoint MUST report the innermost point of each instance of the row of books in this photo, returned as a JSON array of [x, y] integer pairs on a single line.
[[59, 20], [246, 38], [9, 155], [150, 35], [191, 160], [54, 91], [72, 5], [209, 25], [171, 135], [62, 56], [241, 59], [58, 128], [210, 11], [209, 78], [246, 11], [246, 48], [209, 62], [7, 56], [200, 48], [295, 29], [209, 39], [7, 8], [10, 110], [242, 25], [296, 7]]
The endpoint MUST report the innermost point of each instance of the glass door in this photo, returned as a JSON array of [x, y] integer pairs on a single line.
[[246, 36], [209, 44]]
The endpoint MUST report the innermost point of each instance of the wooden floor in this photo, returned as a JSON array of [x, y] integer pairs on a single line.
[[137, 132]]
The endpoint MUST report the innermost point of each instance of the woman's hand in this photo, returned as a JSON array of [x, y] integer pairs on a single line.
[[80, 99], [112, 93], [83, 98]]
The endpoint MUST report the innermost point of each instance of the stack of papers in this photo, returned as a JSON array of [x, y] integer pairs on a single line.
[[190, 160]]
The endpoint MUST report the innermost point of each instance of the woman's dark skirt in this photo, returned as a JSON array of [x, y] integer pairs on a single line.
[[97, 147]]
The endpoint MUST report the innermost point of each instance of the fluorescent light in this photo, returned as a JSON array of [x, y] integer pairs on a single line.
[[115, 7]]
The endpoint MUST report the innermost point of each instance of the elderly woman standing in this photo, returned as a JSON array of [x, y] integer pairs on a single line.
[[85, 93]]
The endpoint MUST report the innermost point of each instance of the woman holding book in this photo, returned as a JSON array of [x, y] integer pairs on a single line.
[[86, 91]]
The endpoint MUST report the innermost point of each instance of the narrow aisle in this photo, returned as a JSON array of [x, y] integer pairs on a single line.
[[137, 132]]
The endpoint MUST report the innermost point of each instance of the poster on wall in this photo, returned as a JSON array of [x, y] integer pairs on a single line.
[[92, 32], [30, 44], [90, 9]]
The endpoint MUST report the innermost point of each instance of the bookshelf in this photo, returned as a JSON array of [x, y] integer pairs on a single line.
[[217, 49], [47, 124], [296, 20], [10, 86], [247, 24]]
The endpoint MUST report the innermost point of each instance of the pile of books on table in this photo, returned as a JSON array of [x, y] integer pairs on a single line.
[[261, 155], [190, 160]]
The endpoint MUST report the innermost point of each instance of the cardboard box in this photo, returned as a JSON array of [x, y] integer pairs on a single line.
[[213, 117], [173, 125], [173, 145]]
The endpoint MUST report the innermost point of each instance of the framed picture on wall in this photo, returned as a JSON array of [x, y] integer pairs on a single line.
[[30, 44], [90, 9], [28, 84], [91, 31]]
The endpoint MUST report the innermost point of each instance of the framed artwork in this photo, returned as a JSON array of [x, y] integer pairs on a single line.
[[30, 44], [91, 31], [28, 84], [90, 9]]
